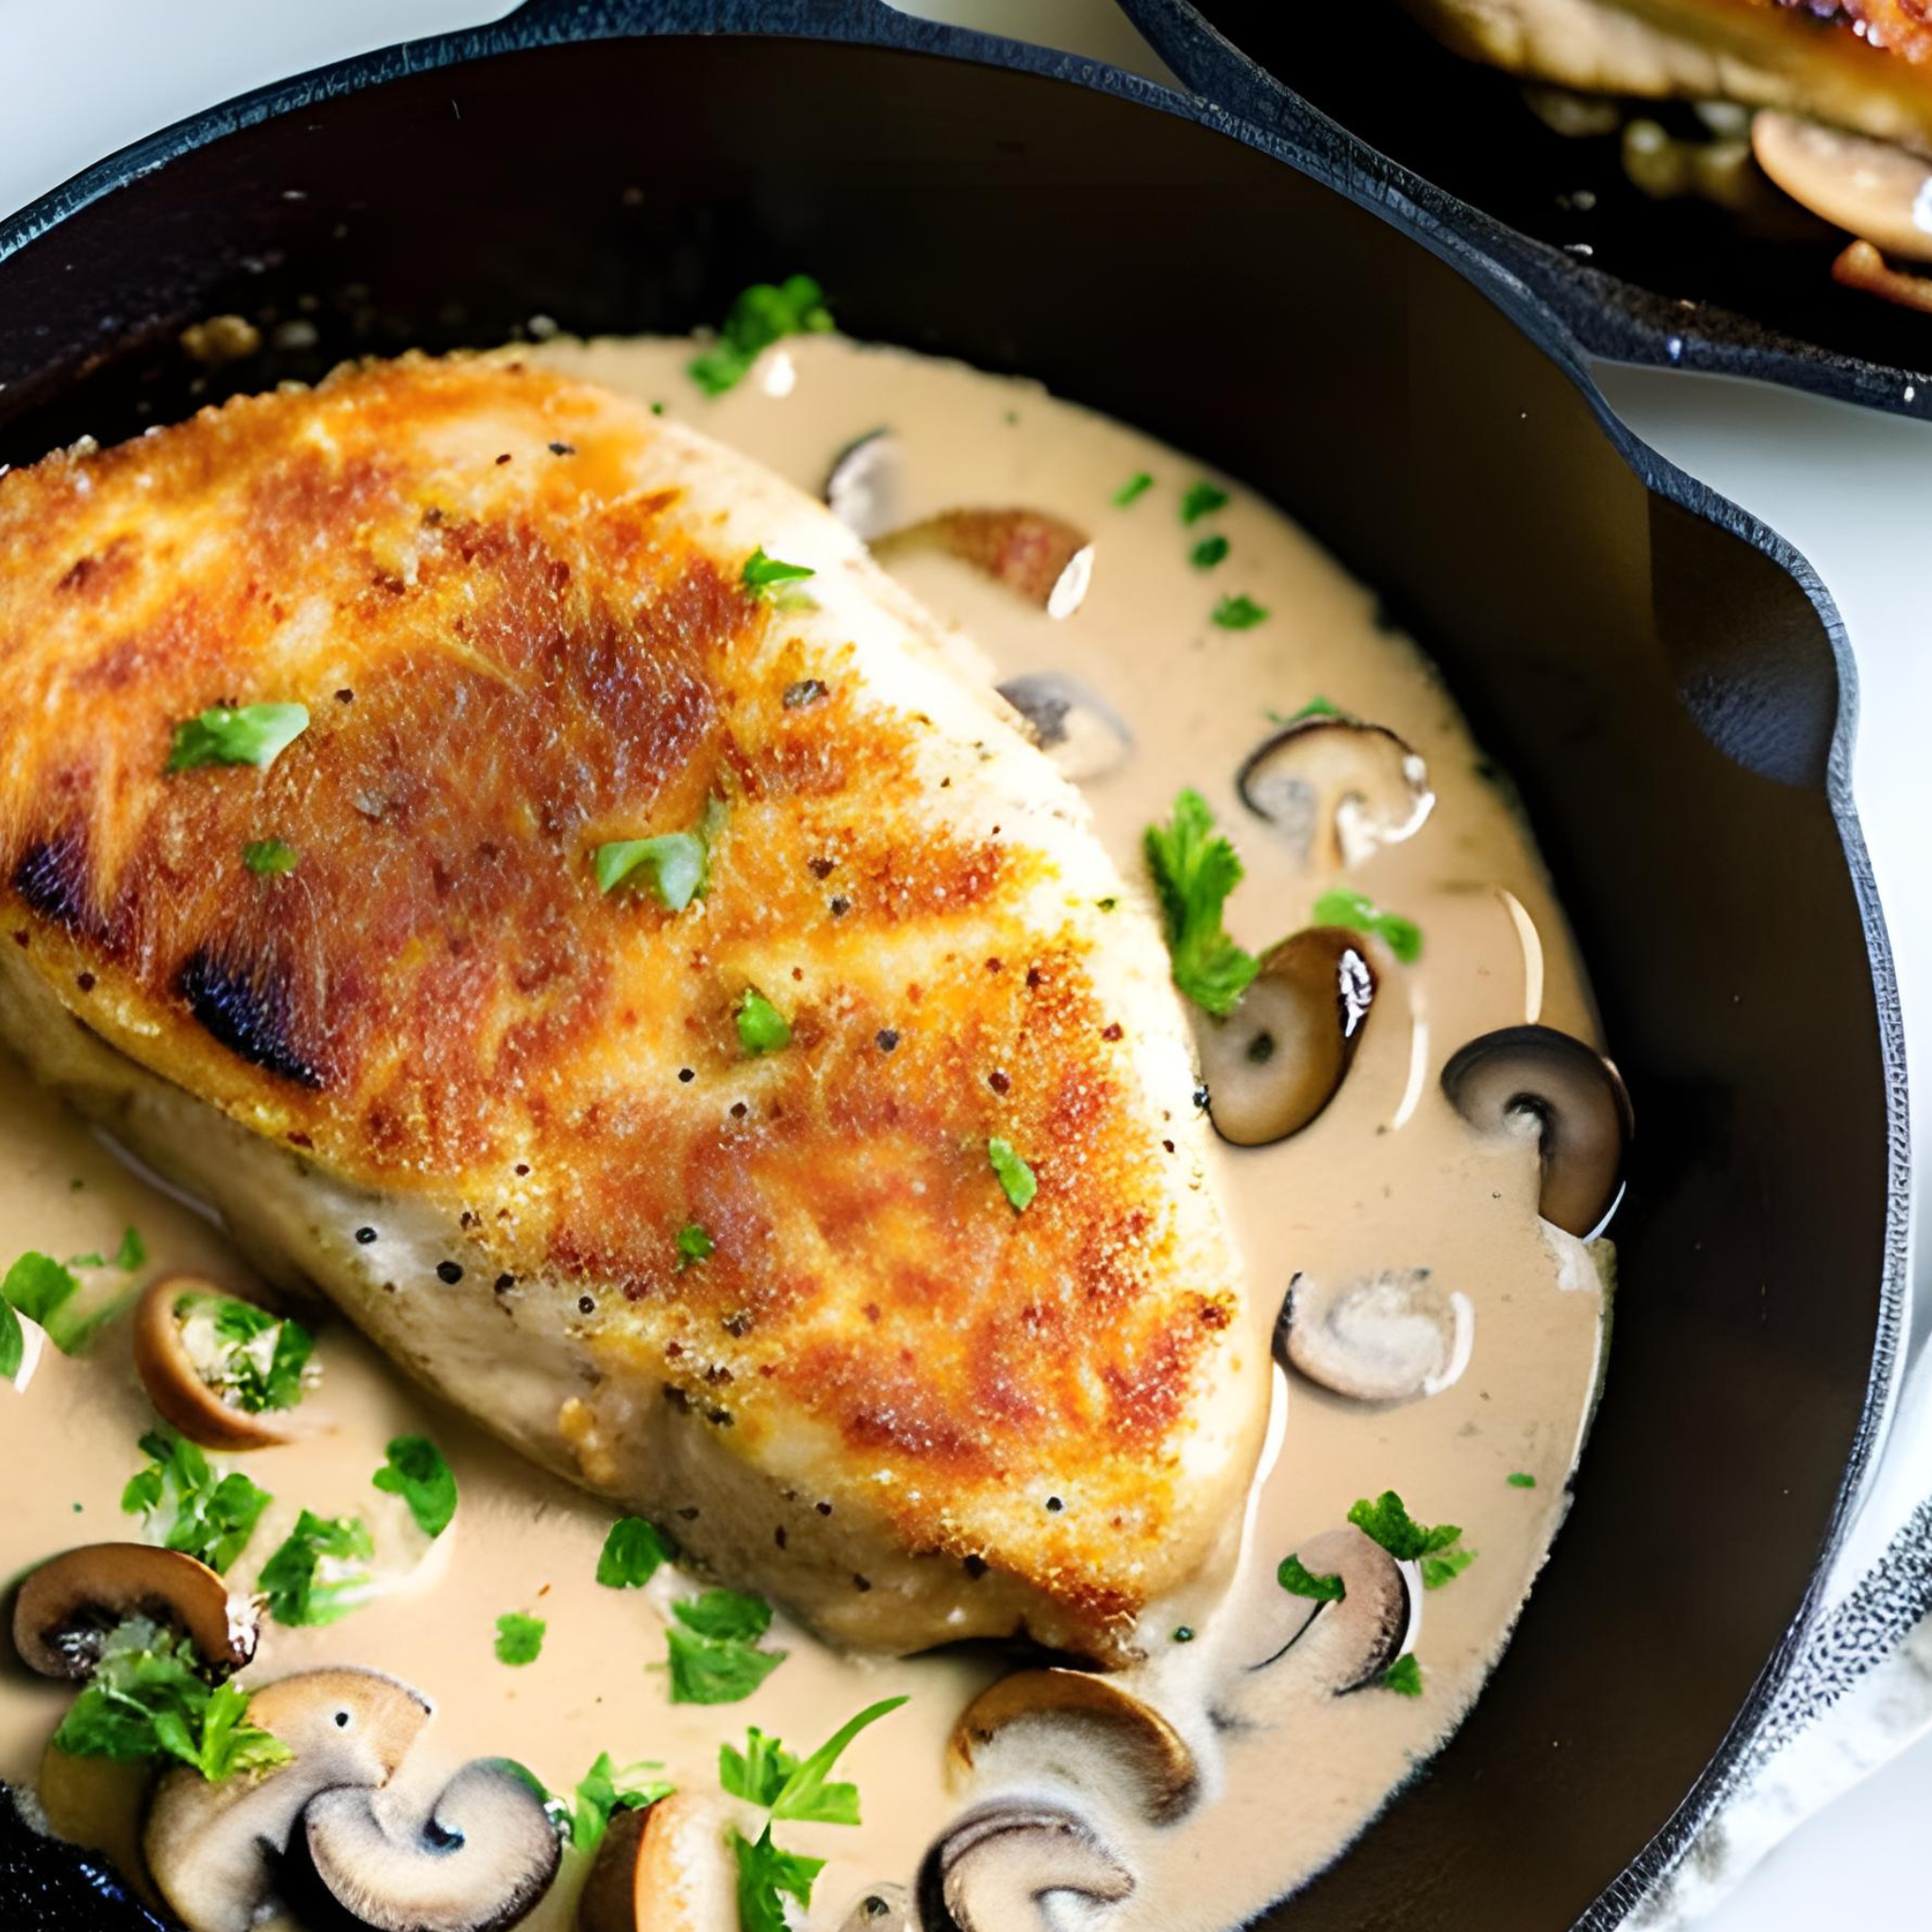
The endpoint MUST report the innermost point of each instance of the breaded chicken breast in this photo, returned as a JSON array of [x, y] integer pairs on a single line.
[[823, 1180]]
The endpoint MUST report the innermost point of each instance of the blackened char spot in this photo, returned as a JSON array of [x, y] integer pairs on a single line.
[[248, 1016], [51, 878]]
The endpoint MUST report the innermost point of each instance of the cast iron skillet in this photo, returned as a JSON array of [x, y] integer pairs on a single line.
[[1678, 283], [1662, 677]]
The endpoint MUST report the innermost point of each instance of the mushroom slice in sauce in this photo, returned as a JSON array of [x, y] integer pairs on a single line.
[[881, 1909], [1345, 1643], [476, 1860], [865, 484], [1279, 1058], [67, 1608], [1386, 1337], [1044, 558], [1073, 1711], [992, 1869], [1337, 788], [175, 1385], [1079, 730], [1572, 1096], [210, 1846], [663, 1868], [1877, 191]]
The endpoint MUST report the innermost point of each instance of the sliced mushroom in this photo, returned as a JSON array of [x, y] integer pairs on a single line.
[[1279, 1058], [1081, 732], [174, 1384], [1386, 1337], [1534, 1076], [1872, 189], [211, 1848], [865, 488], [481, 1855], [1338, 788], [881, 1909], [1048, 560], [993, 1868], [1070, 1714], [1343, 1645], [665, 1867], [70, 1605]]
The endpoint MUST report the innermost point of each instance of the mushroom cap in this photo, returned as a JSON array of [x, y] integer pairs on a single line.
[[66, 1610], [1072, 1714], [1573, 1097], [174, 1386], [211, 1847], [1044, 558], [1386, 1337], [1346, 1645], [1279, 1058], [1077, 730], [1872, 189], [1337, 788], [482, 1855], [663, 1868], [865, 486], [994, 1867]]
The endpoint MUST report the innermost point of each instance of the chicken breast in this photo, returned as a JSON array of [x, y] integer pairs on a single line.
[[719, 1206]]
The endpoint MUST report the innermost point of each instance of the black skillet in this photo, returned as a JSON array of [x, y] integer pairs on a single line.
[[1679, 283], [1662, 676]]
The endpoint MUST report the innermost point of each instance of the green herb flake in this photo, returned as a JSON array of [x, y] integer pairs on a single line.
[[762, 1028], [1403, 937], [311, 1577], [1520, 1479], [1202, 499], [761, 315], [605, 1789], [519, 1638], [694, 1245], [1194, 870], [1315, 708], [1299, 1581], [1384, 1521], [49, 1293], [674, 865], [417, 1472], [269, 858], [252, 1359], [632, 1554], [763, 1873], [761, 572], [185, 1505], [13, 1343], [1445, 1568], [1208, 552], [1239, 613], [1015, 1177], [714, 1669], [253, 735], [725, 1613], [1404, 1676], [1136, 487]]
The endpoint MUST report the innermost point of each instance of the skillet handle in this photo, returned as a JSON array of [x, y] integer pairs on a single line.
[[603, 20]]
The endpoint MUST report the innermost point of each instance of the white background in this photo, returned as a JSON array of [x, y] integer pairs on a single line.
[[1852, 490]]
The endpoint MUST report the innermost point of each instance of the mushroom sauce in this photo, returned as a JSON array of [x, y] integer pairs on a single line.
[[1289, 1746]]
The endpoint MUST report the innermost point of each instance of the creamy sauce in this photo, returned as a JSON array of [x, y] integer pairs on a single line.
[[1387, 1177]]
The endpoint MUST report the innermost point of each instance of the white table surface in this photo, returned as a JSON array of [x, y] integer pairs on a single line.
[[1850, 489]]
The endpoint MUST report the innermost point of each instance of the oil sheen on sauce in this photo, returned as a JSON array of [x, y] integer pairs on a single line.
[[1389, 1177]]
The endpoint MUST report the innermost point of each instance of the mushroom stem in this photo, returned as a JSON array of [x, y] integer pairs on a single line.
[[992, 1869], [1387, 1337]]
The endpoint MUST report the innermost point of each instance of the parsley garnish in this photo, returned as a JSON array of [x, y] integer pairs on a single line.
[[1384, 1521], [1299, 1581], [762, 572], [256, 1359], [255, 735], [1136, 487], [1194, 870], [1522, 1479], [45, 1291], [1208, 552], [632, 1553], [605, 1790], [1343, 908], [1404, 1676], [185, 1507], [146, 1699], [762, 1028], [519, 1638], [308, 1579], [763, 1873], [417, 1472], [732, 1614], [1437, 1570], [1239, 613], [760, 316], [1315, 708], [1202, 500], [1015, 1176], [714, 1657], [694, 1245], [672, 864], [269, 858]]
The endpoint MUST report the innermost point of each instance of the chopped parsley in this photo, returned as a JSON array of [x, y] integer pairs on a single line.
[[1445, 1568], [1194, 870], [1299, 1581], [252, 1359], [1015, 1177], [1202, 499], [1208, 552], [714, 1657], [1384, 1521], [762, 1028], [519, 1638], [1342, 907], [1136, 487], [605, 1789], [49, 1291], [147, 1700], [761, 315], [1239, 613], [632, 1553], [1522, 1479], [185, 1505], [417, 1472], [761, 572], [269, 858], [1404, 1676], [253, 735], [1315, 708], [694, 1245], [674, 865], [313, 1577]]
